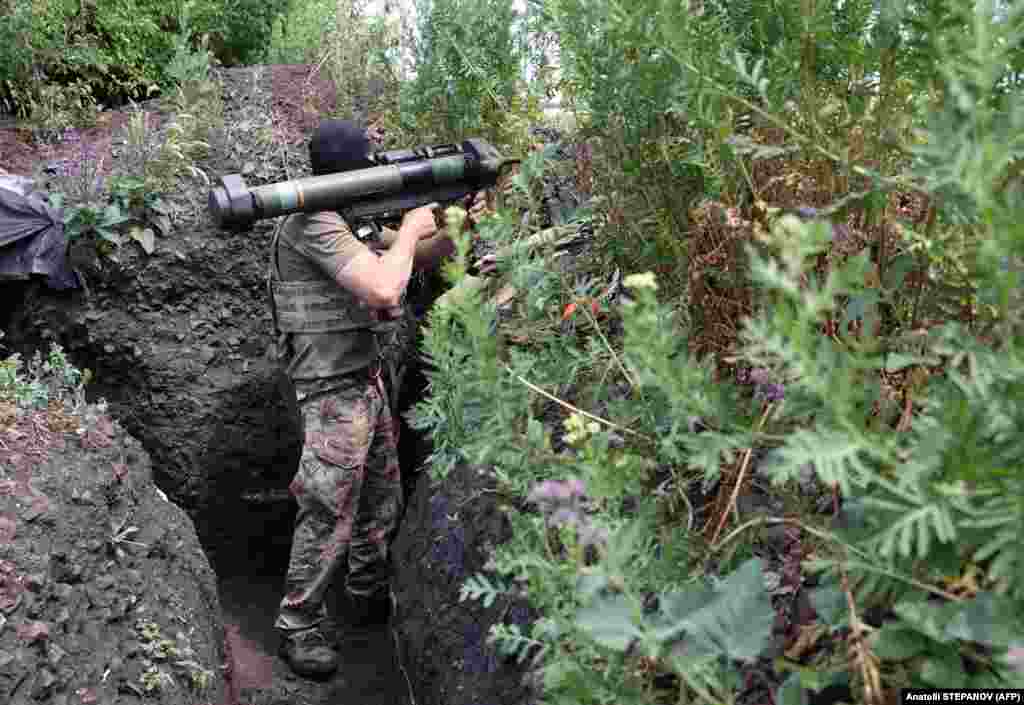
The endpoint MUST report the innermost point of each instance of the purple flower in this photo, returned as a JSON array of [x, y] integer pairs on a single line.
[[772, 392], [576, 487], [543, 492], [565, 516], [759, 375], [557, 492], [840, 233]]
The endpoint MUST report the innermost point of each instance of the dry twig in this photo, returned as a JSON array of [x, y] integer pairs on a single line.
[[570, 407], [731, 506]]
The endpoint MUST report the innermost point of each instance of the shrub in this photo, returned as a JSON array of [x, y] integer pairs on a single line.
[[878, 353], [34, 386], [122, 49], [469, 62]]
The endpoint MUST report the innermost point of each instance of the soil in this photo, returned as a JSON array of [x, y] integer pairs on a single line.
[[97, 568], [459, 521]]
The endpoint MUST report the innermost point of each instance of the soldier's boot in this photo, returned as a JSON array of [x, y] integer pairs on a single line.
[[309, 653]]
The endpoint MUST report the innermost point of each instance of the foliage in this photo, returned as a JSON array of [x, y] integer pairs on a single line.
[[877, 237], [55, 53], [468, 61], [112, 206], [239, 30], [43, 380], [298, 36], [162, 652]]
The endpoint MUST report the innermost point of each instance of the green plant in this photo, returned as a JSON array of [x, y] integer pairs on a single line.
[[55, 109], [469, 59], [161, 156], [126, 211], [177, 652], [92, 220], [188, 64], [34, 386], [925, 503], [54, 51], [155, 680]]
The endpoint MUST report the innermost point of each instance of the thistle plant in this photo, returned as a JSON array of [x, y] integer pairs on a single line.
[[79, 177]]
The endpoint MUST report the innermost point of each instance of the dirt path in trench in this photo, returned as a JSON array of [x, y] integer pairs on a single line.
[[250, 575], [369, 673]]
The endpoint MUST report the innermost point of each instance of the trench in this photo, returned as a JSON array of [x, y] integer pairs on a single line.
[[247, 538], [247, 535]]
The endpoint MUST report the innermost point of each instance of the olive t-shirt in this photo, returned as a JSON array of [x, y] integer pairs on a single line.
[[314, 246]]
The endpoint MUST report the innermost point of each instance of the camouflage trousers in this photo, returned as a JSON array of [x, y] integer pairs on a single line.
[[349, 491]]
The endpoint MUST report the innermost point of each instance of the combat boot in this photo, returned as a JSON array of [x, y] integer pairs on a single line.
[[308, 652]]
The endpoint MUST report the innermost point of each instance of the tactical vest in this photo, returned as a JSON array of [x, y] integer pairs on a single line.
[[322, 307]]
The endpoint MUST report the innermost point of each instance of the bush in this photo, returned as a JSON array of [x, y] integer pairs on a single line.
[[867, 249], [469, 62], [41, 383], [121, 49]]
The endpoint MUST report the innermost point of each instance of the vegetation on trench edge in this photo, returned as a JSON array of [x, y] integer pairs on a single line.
[[908, 418]]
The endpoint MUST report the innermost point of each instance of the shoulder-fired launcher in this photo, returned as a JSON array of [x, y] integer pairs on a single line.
[[402, 179]]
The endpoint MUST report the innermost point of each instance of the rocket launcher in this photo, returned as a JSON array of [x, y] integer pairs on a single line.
[[399, 181]]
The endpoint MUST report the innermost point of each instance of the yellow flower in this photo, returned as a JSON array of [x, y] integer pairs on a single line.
[[641, 281]]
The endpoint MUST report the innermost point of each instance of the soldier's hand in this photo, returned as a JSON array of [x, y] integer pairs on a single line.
[[478, 208], [421, 221]]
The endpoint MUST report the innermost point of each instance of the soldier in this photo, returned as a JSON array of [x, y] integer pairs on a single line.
[[338, 312]]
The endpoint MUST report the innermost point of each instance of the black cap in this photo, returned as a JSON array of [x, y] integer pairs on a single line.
[[339, 145]]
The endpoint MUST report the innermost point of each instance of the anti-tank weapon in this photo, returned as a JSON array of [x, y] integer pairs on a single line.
[[399, 181]]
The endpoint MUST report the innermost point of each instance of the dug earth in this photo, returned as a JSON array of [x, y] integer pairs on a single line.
[[106, 595], [143, 543]]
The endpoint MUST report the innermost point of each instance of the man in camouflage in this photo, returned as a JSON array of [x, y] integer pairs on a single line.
[[339, 321]]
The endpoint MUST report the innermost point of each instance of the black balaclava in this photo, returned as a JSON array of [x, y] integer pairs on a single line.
[[339, 145]]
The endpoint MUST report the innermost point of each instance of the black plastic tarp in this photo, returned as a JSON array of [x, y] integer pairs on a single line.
[[32, 236]]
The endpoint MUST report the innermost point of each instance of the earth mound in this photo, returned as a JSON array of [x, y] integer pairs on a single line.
[[106, 595]]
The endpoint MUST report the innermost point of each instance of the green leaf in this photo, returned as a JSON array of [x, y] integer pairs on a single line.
[[897, 270], [112, 215], [829, 601], [899, 361], [791, 692], [610, 622], [739, 622], [675, 607], [110, 236], [896, 642], [837, 458], [588, 586], [804, 678], [987, 619], [928, 619], [944, 669]]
